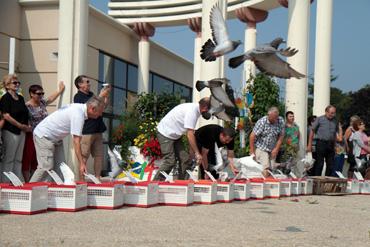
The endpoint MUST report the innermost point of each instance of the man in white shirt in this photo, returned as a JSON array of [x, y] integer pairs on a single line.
[[179, 121], [50, 132]]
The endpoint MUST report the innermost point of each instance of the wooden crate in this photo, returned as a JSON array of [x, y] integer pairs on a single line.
[[329, 185]]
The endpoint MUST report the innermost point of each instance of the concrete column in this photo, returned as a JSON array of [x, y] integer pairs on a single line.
[[144, 30], [297, 89], [215, 69], [324, 15], [11, 64], [249, 16], [72, 57], [195, 24]]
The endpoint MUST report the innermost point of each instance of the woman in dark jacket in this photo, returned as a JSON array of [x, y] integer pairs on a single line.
[[15, 114]]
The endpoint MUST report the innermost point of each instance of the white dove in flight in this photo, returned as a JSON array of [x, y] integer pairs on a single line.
[[221, 43]]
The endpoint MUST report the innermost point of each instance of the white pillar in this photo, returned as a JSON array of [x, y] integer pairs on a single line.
[[250, 41], [72, 43], [11, 55], [197, 64], [296, 89], [72, 57], [322, 56], [143, 65], [215, 69]]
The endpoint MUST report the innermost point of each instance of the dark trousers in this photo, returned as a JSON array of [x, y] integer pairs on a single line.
[[324, 152]]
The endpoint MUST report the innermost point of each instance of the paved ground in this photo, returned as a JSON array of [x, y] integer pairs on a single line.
[[309, 221]]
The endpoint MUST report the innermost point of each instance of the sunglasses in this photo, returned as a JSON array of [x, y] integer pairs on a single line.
[[16, 82], [40, 94]]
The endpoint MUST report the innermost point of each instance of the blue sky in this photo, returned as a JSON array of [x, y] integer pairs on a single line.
[[350, 40]]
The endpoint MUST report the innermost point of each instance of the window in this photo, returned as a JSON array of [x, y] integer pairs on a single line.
[[132, 78]]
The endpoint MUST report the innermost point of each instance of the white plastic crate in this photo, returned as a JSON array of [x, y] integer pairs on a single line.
[[257, 189], [205, 192], [105, 195], [296, 187], [363, 184], [241, 190], [177, 193], [272, 188], [364, 187], [28, 199], [141, 194], [67, 198], [225, 191], [285, 187], [353, 186], [306, 186]]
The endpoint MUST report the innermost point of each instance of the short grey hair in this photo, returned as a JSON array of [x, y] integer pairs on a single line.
[[273, 109], [95, 102]]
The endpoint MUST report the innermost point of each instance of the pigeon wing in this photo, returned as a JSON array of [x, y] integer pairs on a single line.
[[218, 26], [288, 52], [222, 115], [274, 66], [220, 94]]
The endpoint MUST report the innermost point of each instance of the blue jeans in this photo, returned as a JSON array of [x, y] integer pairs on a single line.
[[338, 164]]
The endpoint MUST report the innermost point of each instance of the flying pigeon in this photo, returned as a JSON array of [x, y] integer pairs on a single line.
[[215, 85], [218, 109], [221, 43], [267, 61]]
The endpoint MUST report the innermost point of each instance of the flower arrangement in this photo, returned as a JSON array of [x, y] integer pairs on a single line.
[[152, 149]]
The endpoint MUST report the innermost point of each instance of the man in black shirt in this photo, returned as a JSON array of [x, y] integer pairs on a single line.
[[92, 139], [209, 135]]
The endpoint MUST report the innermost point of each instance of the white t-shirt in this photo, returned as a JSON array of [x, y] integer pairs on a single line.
[[179, 120], [67, 120]]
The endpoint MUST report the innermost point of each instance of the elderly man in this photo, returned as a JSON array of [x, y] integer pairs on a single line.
[[179, 121], [209, 135], [325, 127], [92, 132], [266, 139], [50, 132]]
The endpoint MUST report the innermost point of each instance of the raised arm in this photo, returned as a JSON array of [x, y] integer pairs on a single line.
[[56, 94]]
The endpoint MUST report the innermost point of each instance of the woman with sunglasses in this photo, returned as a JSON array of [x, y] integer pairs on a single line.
[[37, 109], [361, 148], [15, 113]]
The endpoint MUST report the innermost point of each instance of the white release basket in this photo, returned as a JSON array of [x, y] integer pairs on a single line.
[[105, 195], [225, 191], [257, 189], [177, 193], [28, 199], [285, 187], [205, 192], [306, 186], [296, 187], [353, 186], [141, 194], [241, 190], [365, 187], [67, 198], [272, 188]]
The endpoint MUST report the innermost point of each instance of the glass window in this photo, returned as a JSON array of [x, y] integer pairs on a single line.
[[162, 85], [120, 69], [131, 99], [183, 91], [132, 78], [119, 101]]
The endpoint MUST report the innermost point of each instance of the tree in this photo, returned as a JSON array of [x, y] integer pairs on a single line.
[[359, 104]]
